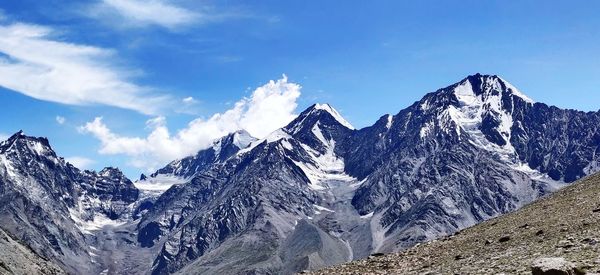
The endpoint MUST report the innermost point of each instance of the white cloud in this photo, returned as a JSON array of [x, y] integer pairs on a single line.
[[269, 107], [150, 12], [188, 99], [60, 120], [80, 162], [4, 137], [40, 65], [188, 106]]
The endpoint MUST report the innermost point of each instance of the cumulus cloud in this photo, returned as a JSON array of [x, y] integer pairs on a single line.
[[37, 63], [149, 12], [270, 107], [60, 120], [80, 162]]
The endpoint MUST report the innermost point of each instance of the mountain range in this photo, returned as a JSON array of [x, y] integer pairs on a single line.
[[314, 193]]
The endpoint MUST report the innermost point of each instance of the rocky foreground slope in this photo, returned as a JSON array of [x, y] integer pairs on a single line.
[[17, 258], [565, 225]]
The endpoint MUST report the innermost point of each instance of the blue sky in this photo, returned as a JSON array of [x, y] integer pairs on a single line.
[[155, 72]]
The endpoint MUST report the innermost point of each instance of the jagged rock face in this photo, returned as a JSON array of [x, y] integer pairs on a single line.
[[36, 192], [108, 192], [560, 143], [45, 201]]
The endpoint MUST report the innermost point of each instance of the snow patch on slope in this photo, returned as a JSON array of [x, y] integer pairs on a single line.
[[390, 120], [323, 167], [322, 209], [8, 168], [162, 182], [426, 129], [317, 132], [275, 136], [37, 147], [98, 222]]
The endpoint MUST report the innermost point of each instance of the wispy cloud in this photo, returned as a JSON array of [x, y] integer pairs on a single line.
[[150, 12], [171, 15], [60, 120], [268, 108], [188, 100], [80, 162], [37, 63], [4, 137]]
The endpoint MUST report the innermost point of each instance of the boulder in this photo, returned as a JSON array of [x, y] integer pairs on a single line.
[[552, 266]]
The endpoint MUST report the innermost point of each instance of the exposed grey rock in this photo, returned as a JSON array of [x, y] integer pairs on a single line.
[[504, 239], [17, 258], [552, 266]]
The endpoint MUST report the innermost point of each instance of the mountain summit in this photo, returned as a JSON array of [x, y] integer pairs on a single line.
[[479, 104]]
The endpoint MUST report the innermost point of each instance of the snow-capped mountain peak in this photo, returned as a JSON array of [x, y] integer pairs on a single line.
[[326, 107], [231, 144], [22, 144], [323, 114], [242, 139], [486, 86], [479, 105]]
